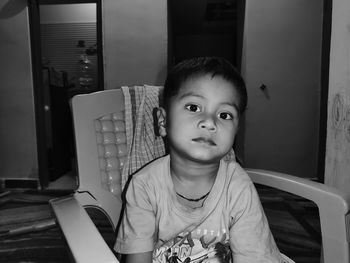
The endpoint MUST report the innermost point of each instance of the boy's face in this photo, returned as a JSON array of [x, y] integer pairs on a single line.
[[202, 120]]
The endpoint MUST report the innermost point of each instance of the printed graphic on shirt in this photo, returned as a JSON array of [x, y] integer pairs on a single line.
[[199, 246]]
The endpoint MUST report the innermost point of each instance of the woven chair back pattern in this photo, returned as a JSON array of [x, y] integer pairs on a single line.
[[112, 150]]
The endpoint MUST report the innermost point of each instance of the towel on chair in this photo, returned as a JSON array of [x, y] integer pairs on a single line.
[[142, 143]]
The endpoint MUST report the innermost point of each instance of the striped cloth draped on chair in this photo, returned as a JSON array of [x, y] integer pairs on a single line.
[[142, 143]]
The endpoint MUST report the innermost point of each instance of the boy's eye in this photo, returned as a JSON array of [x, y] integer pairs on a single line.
[[225, 116], [192, 107]]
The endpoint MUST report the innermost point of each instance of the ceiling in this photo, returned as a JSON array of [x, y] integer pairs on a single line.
[[202, 16]]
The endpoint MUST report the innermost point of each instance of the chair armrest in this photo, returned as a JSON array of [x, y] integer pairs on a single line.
[[333, 206], [85, 242]]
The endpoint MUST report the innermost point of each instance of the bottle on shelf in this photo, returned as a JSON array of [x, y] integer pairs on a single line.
[[85, 79]]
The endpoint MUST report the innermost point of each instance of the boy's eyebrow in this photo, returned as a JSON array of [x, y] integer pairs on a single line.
[[232, 105], [191, 93]]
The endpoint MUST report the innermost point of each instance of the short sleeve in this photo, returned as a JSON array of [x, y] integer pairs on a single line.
[[250, 235], [137, 230]]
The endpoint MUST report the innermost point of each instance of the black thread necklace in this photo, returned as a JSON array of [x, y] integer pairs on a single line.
[[193, 200]]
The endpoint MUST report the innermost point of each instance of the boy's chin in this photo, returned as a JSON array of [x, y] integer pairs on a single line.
[[206, 159], [199, 155]]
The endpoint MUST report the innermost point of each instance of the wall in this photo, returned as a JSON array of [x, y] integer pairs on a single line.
[[17, 134], [134, 42], [282, 50], [337, 170]]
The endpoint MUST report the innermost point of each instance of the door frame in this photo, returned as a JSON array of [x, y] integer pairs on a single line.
[[38, 85], [326, 45]]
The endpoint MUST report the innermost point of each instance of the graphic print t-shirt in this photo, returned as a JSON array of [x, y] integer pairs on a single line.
[[199, 245], [231, 220]]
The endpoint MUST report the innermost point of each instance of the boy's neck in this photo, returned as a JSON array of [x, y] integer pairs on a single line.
[[189, 171]]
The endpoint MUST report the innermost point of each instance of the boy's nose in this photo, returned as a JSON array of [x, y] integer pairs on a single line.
[[208, 123]]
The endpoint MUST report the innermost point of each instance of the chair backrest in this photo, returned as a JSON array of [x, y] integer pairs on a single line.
[[100, 138], [333, 206]]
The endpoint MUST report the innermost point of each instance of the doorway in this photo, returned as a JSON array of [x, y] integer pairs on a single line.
[[67, 49], [207, 28], [203, 28]]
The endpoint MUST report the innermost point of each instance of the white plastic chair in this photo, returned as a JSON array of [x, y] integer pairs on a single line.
[[100, 146]]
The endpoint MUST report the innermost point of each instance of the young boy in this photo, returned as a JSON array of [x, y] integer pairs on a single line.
[[197, 204]]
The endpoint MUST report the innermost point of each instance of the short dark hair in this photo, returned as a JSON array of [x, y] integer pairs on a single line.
[[200, 66]]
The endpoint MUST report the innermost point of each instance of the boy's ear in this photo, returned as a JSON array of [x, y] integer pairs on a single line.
[[161, 121]]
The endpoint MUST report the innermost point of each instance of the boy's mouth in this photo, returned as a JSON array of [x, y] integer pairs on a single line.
[[204, 140]]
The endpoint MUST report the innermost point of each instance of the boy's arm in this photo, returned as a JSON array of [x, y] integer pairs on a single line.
[[137, 228], [145, 257], [250, 236]]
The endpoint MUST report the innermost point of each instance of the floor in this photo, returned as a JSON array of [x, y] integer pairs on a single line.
[[28, 229], [29, 233], [294, 223]]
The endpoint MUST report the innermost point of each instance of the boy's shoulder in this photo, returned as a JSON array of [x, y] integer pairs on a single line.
[[235, 168], [237, 174], [153, 168]]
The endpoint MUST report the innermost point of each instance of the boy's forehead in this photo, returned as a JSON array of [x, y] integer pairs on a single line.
[[195, 88], [195, 85]]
